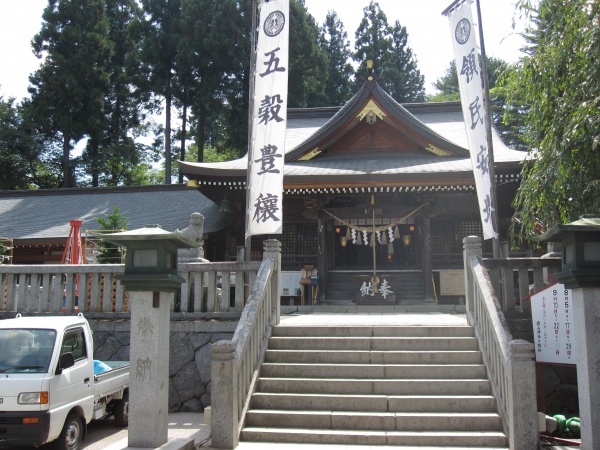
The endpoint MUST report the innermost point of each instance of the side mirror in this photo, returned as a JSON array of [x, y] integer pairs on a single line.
[[65, 361]]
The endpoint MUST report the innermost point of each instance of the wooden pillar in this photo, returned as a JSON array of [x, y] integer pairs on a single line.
[[322, 257], [427, 270]]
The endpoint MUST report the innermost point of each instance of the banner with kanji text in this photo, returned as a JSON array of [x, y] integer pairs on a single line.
[[269, 120], [467, 55]]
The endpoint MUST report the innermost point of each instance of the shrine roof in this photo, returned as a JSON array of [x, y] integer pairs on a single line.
[[312, 132], [45, 214]]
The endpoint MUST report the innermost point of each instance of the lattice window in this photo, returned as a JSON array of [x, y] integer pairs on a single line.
[[299, 243]]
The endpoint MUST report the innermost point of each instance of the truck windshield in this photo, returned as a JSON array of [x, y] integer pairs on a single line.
[[26, 350]]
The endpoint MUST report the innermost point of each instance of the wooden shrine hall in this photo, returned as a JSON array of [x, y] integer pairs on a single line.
[[374, 191]]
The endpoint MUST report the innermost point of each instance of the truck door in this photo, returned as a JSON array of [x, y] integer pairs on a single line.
[[74, 385]]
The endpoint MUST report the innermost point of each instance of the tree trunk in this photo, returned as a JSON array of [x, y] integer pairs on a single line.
[[66, 159], [201, 135], [183, 136], [168, 99]]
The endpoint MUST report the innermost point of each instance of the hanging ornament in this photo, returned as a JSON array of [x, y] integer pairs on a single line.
[[348, 234], [378, 233], [390, 231], [359, 239], [353, 233], [396, 233], [365, 237], [373, 240], [383, 239]]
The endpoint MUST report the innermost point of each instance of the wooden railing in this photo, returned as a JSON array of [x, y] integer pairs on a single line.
[[236, 363], [94, 288], [510, 363]]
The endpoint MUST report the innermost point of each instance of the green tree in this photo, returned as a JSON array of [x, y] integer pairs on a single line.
[[556, 87], [339, 85], [394, 61], [160, 42], [67, 91], [16, 155], [28, 159], [119, 156], [308, 61], [110, 223]]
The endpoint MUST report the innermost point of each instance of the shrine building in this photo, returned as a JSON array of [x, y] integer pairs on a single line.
[[372, 188]]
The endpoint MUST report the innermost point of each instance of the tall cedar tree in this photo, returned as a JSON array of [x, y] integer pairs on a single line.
[[308, 61], [394, 62], [67, 91], [339, 85], [120, 157], [16, 153], [558, 82], [162, 34]]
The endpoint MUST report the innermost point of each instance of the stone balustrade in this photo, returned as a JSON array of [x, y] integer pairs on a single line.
[[93, 288], [510, 363]]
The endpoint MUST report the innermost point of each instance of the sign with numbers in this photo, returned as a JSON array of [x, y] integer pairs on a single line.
[[553, 331]]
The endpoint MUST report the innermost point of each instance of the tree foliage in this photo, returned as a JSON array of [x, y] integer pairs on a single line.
[[339, 85], [556, 87], [67, 91], [394, 61], [110, 223]]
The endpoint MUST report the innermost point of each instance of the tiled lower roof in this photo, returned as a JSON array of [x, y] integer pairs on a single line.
[[45, 214]]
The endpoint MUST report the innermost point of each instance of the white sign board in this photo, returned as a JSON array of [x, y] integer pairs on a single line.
[[452, 282], [552, 314]]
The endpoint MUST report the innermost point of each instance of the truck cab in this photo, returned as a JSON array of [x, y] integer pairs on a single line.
[[47, 383]]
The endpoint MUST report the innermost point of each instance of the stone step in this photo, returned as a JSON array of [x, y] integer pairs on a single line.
[[374, 386], [373, 357], [477, 439], [383, 421], [373, 343], [374, 403], [373, 331], [383, 371]]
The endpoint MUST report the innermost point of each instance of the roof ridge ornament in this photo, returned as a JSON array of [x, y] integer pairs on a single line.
[[371, 111]]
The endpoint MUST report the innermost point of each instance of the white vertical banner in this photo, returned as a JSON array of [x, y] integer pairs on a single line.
[[269, 120], [467, 55]]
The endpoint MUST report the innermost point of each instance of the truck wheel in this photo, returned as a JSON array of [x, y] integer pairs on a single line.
[[121, 411], [71, 434]]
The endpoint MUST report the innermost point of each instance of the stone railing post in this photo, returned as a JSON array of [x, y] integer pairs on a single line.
[[522, 412], [471, 247], [272, 248], [224, 393]]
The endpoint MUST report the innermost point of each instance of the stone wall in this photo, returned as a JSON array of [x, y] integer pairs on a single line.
[[190, 354]]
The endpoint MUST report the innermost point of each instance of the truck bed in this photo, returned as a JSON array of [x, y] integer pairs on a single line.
[[113, 380]]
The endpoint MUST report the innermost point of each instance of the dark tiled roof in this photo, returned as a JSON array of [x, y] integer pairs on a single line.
[[45, 214]]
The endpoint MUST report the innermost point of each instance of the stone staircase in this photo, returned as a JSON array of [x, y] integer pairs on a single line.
[[374, 385]]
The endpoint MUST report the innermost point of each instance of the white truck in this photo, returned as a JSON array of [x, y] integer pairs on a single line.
[[48, 388]]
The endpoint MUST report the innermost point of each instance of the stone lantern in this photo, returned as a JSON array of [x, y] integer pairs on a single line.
[[581, 251], [151, 279], [581, 273]]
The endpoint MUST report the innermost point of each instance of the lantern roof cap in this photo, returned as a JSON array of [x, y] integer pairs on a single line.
[[151, 232], [586, 222]]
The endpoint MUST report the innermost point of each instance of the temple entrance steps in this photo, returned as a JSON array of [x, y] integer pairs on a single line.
[[411, 288], [374, 385]]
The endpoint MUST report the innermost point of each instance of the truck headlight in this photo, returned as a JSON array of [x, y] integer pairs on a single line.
[[33, 398]]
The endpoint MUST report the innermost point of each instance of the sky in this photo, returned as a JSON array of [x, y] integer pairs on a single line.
[[428, 31]]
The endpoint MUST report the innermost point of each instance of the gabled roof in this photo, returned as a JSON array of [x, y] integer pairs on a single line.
[[397, 122], [424, 142], [45, 214]]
